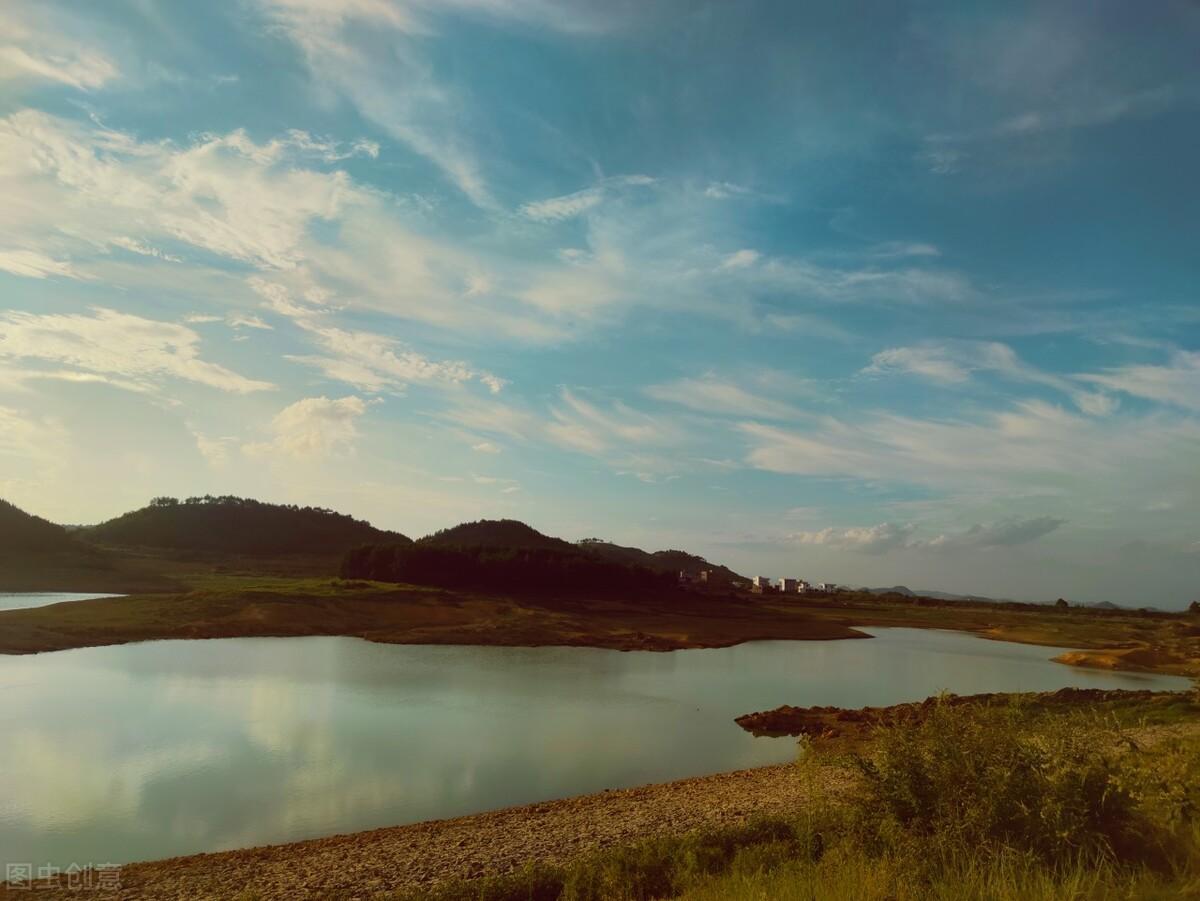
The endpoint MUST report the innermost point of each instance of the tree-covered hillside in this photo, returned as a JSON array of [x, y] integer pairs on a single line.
[[517, 570], [672, 561], [238, 526], [496, 533], [22, 532]]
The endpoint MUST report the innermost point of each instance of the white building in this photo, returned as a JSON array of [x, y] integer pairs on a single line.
[[802, 587], [787, 586], [761, 583], [828, 586]]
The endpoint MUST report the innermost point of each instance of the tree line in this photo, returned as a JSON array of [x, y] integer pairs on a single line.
[[527, 570]]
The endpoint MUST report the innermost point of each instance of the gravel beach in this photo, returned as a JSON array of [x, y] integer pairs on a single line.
[[374, 863]]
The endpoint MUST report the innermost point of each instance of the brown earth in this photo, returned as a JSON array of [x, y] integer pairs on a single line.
[[225, 601], [408, 615]]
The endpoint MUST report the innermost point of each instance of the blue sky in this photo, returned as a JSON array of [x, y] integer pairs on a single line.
[[875, 293]]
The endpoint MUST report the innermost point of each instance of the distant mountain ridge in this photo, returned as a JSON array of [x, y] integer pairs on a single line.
[[949, 596], [237, 525]]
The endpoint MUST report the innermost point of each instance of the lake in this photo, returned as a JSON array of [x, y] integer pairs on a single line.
[[21, 600], [170, 747]]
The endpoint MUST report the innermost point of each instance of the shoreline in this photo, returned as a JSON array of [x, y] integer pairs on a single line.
[[380, 861], [377, 863]]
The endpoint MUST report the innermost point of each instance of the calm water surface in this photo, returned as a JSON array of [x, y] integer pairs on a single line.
[[22, 599], [171, 747]]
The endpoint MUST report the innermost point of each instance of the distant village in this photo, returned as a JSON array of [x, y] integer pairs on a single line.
[[763, 584]]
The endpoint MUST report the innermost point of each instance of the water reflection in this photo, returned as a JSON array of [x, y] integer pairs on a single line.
[[163, 748]]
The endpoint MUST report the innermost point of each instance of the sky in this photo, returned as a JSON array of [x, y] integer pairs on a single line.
[[875, 293]]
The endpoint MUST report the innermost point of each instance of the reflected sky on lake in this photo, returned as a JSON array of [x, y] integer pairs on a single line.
[[150, 750]]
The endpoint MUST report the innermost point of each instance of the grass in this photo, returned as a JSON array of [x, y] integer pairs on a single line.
[[974, 803]]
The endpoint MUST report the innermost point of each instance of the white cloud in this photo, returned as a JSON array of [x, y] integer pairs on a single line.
[[313, 428], [931, 362], [366, 360], [1087, 112], [886, 537], [865, 539], [1177, 383], [248, 320], [568, 206], [565, 207], [954, 362], [41, 51], [890, 249], [1007, 533], [1028, 444], [723, 190], [120, 347], [588, 427], [388, 79], [88, 187], [31, 264], [486, 447], [715, 396], [740, 259], [135, 246], [214, 450]]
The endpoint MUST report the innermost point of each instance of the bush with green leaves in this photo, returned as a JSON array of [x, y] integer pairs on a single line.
[[996, 778]]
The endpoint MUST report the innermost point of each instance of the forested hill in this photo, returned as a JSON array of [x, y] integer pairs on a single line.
[[495, 533], [512, 534], [508, 555], [22, 532], [660, 561], [238, 526]]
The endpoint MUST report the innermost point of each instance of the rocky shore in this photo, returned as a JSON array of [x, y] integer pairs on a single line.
[[373, 864]]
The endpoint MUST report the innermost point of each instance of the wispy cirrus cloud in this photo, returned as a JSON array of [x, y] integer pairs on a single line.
[[120, 348], [366, 360], [1177, 383], [35, 47], [954, 362], [1029, 443], [567, 206], [713, 395]]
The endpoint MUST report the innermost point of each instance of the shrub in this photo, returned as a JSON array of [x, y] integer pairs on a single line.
[[993, 779]]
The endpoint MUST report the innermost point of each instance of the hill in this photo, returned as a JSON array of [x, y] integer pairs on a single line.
[[512, 534], [22, 533], [237, 525], [495, 533], [671, 561], [38, 555]]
